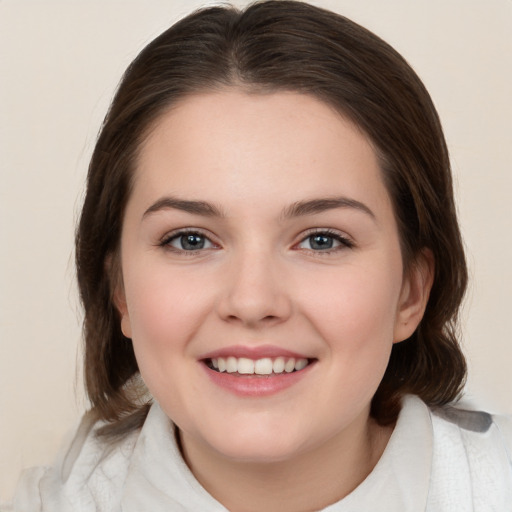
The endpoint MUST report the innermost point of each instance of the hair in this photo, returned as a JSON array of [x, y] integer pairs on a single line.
[[278, 45]]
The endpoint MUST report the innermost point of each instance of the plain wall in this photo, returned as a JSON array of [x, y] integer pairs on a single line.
[[60, 62]]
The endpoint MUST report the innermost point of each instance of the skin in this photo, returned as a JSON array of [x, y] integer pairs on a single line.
[[258, 281]]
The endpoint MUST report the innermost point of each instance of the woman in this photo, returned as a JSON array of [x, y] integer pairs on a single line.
[[269, 257]]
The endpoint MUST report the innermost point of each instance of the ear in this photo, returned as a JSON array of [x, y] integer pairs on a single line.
[[113, 269], [414, 295], [120, 304]]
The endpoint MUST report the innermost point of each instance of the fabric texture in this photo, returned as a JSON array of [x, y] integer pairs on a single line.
[[437, 460]]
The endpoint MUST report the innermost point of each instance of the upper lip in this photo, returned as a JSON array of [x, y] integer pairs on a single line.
[[257, 352]]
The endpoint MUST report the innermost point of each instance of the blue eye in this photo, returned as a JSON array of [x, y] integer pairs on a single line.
[[321, 242], [188, 241], [324, 241]]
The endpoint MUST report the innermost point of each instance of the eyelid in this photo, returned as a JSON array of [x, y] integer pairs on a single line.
[[166, 239], [345, 241]]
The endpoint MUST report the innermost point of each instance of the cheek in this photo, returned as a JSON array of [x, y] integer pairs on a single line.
[[358, 313], [165, 310], [163, 320], [352, 310]]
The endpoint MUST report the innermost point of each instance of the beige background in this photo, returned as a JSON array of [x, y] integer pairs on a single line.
[[59, 64]]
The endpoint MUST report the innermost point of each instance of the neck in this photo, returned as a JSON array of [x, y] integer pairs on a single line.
[[309, 481]]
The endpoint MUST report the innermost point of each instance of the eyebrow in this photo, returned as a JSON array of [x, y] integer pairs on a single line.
[[297, 209], [313, 206], [196, 207]]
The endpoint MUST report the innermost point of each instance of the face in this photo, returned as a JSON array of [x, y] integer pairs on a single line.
[[263, 285]]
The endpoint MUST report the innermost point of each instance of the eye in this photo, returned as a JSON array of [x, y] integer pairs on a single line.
[[187, 241], [324, 241]]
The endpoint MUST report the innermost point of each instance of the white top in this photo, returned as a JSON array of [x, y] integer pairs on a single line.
[[444, 460]]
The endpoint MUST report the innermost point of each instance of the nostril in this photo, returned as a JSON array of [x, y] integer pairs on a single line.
[[249, 320], [253, 307]]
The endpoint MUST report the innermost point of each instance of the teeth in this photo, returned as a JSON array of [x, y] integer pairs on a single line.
[[231, 365], [264, 366], [278, 365], [289, 365], [300, 364], [245, 366]]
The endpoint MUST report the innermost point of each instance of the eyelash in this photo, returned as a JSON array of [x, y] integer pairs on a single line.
[[166, 241], [345, 242]]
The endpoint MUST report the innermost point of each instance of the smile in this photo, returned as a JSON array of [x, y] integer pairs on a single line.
[[263, 366]]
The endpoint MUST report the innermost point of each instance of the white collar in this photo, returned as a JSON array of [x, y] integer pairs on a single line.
[[159, 480]]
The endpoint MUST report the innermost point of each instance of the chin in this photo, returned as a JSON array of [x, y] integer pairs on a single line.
[[259, 452], [257, 442]]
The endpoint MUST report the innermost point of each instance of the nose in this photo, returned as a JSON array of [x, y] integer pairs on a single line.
[[255, 293]]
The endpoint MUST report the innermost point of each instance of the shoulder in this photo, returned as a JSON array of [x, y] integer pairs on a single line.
[[504, 425], [472, 457], [87, 465], [477, 426]]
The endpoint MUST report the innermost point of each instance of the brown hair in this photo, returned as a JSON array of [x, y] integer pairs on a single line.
[[273, 46]]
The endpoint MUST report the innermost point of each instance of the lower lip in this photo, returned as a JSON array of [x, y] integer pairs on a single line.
[[256, 385]]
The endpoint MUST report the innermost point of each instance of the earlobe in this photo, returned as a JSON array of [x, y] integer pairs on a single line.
[[113, 270], [126, 328], [414, 295], [120, 304]]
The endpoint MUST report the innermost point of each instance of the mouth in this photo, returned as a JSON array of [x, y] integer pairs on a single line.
[[266, 366], [256, 372]]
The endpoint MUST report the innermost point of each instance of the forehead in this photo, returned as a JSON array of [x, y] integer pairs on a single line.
[[279, 146]]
